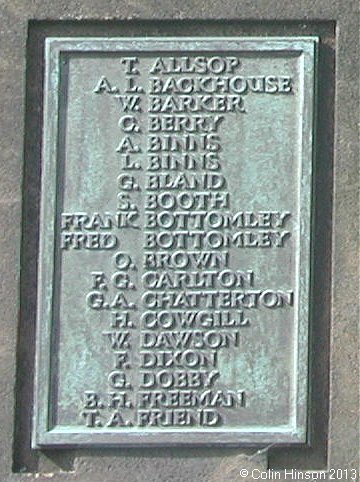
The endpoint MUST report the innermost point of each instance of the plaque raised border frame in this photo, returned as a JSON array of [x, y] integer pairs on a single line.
[[296, 433]]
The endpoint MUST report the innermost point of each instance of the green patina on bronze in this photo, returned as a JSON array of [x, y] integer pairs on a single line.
[[264, 144]]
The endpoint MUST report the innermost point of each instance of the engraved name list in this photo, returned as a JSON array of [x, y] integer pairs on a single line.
[[180, 295]]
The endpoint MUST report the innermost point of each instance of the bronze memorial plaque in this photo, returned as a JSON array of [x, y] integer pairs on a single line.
[[175, 241]]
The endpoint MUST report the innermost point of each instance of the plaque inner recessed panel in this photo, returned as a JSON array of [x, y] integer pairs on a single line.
[[174, 279]]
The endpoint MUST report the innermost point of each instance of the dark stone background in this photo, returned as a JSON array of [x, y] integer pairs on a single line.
[[335, 347]]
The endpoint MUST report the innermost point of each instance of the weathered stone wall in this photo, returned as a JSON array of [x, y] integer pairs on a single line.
[[24, 24]]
